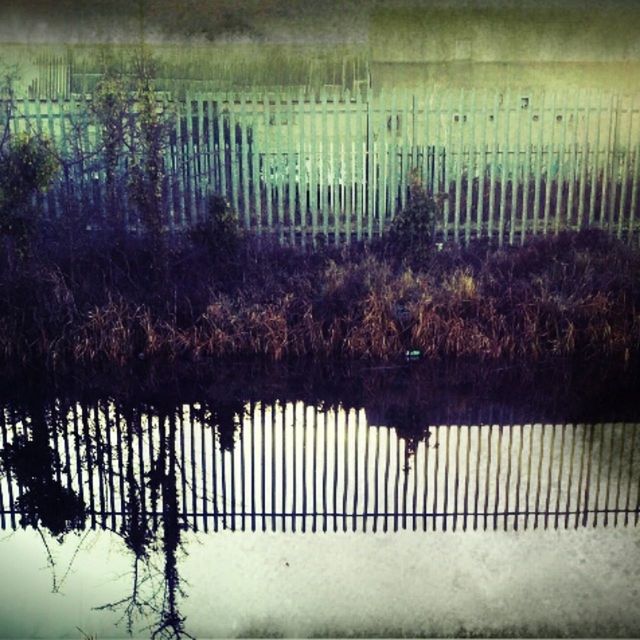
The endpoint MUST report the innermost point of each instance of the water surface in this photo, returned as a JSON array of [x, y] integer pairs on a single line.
[[231, 517]]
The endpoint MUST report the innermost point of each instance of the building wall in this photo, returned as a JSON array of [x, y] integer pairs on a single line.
[[506, 47]]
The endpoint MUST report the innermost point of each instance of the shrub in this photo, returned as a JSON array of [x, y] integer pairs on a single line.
[[219, 235], [27, 166], [412, 232], [110, 107]]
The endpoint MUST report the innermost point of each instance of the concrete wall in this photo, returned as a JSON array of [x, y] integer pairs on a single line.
[[504, 35], [610, 76], [506, 47]]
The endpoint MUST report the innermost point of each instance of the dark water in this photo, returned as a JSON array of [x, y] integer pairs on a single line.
[[391, 515]]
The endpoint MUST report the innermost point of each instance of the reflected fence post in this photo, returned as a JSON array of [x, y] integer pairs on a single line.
[[301, 467]]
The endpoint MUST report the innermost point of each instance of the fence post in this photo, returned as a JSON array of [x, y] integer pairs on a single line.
[[336, 168], [471, 166], [323, 166], [202, 159], [595, 173], [266, 170], [280, 170], [482, 167], [222, 147], [169, 175], [561, 163], [584, 156], [405, 148], [347, 163], [459, 165], [608, 157], [245, 162], [393, 162], [427, 178], [233, 150], [255, 166], [448, 160], [625, 171], [377, 163], [515, 174], [504, 175], [302, 170], [213, 178], [313, 166], [615, 159], [549, 163], [190, 163], [359, 161], [494, 168], [538, 165], [292, 171], [633, 216], [527, 176], [573, 155], [180, 167]]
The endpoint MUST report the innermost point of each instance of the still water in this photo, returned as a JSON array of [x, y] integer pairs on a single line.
[[297, 518]]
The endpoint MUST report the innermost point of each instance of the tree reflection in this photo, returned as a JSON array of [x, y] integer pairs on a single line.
[[46, 505], [35, 465], [225, 417], [171, 623], [147, 541], [138, 536]]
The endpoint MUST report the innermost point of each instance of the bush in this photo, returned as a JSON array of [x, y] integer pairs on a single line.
[[220, 235], [412, 232], [27, 166]]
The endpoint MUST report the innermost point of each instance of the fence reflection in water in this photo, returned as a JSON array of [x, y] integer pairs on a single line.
[[298, 467]]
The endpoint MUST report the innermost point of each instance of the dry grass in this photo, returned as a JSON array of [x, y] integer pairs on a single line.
[[576, 295]]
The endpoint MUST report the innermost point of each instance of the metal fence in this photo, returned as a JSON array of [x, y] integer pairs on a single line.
[[298, 467], [338, 167]]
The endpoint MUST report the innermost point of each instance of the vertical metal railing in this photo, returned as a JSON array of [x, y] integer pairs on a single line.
[[513, 164]]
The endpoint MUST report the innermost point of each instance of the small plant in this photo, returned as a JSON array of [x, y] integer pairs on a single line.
[[219, 234], [27, 166], [412, 232], [134, 132], [110, 106], [149, 130]]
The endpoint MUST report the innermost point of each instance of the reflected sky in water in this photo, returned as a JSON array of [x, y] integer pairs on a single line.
[[241, 584]]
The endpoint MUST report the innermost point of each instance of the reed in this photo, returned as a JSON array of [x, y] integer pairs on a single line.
[[99, 303]]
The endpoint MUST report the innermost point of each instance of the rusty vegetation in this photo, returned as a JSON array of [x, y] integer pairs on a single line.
[[96, 301]]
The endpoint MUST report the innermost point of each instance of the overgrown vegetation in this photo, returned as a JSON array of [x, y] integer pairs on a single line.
[[98, 303]]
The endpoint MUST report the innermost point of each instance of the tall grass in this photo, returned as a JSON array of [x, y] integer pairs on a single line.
[[96, 302]]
